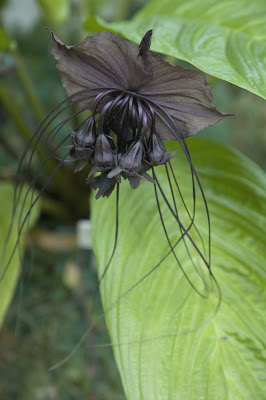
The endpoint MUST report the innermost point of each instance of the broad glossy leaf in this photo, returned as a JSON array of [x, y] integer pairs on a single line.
[[196, 356], [10, 277], [226, 39]]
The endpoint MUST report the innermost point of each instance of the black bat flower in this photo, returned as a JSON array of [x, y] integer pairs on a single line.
[[134, 96], [130, 100]]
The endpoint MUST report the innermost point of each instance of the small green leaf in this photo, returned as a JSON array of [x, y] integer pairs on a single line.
[[226, 39], [11, 274], [197, 357]]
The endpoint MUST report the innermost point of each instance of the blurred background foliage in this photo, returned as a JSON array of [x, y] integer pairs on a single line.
[[50, 310]]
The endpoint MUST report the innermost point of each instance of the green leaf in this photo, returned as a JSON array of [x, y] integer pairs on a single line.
[[226, 39], [197, 356], [11, 274]]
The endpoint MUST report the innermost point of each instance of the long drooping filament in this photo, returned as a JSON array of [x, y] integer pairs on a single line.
[[126, 116]]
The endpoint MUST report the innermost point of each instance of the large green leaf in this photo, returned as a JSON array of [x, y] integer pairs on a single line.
[[226, 39], [9, 276], [220, 359]]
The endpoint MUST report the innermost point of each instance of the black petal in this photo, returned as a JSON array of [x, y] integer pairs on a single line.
[[102, 59], [104, 184], [145, 44], [183, 93]]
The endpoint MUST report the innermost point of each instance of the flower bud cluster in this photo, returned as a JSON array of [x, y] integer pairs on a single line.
[[126, 153]]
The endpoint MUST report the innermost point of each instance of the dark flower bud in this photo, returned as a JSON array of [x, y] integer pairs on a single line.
[[104, 153], [157, 154], [83, 141], [131, 161], [131, 166], [85, 136]]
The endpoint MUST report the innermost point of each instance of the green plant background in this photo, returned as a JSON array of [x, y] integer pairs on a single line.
[[51, 308]]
